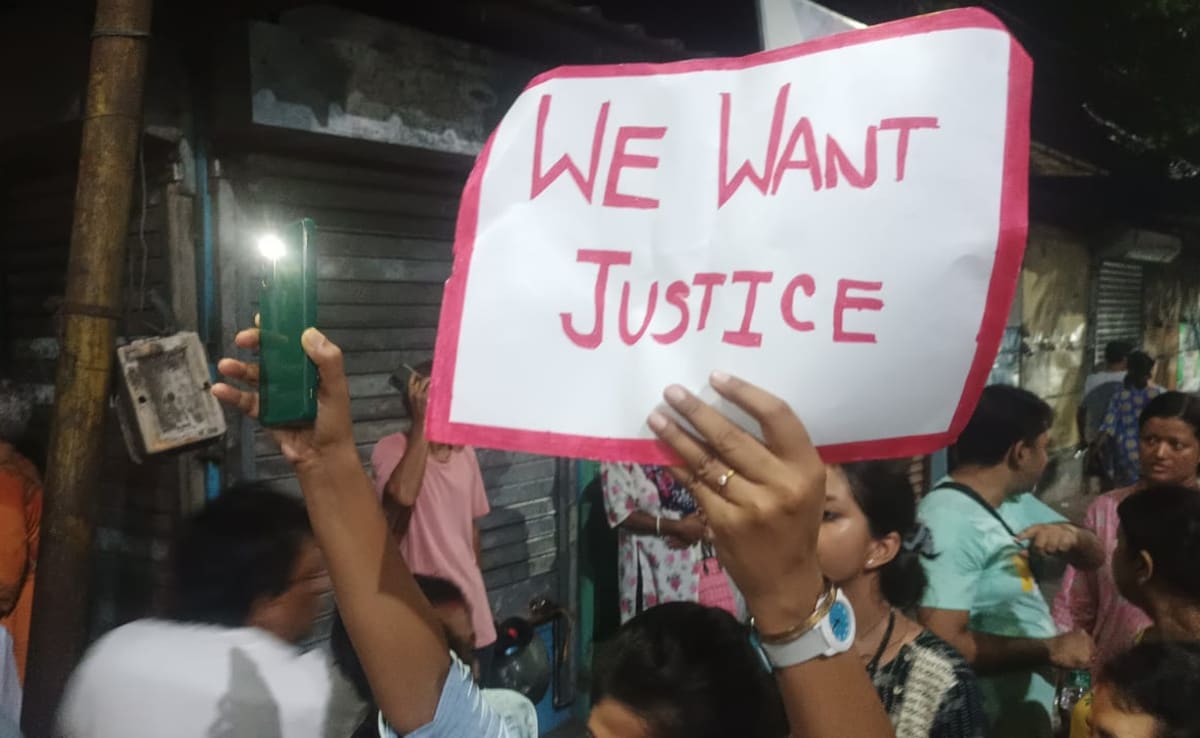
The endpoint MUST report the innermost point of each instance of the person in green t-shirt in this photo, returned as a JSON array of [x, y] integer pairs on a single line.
[[982, 597]]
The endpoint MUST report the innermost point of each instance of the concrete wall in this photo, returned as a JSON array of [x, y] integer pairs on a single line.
[[1172, 297], [325, 70], [1055, 283], [44, 55], [57, 45], [319, 69]]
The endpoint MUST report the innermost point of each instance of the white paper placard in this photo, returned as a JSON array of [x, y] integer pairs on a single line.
[[841, 222]]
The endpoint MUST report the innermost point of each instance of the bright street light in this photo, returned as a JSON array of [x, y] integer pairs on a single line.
[[271, 246]]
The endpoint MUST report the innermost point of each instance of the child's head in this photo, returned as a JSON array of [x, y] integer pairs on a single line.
[[683, 670], [1157, 547], [1151, 691]]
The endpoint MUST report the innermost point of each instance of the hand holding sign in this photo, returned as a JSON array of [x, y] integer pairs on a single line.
[[763, 501], [841, 222]]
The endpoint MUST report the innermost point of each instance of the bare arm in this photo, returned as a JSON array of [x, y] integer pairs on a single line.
[[643, 523], [825, 697], [398, 637], [1079, 547], [398, 517], [991, 654], [404, 485]]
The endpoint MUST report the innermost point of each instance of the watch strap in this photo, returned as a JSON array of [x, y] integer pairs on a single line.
[[817, 642]]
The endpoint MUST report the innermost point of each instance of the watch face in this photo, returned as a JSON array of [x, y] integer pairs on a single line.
[[840, 621]]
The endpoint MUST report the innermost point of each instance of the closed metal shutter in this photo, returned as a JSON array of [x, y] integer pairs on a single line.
[[385, 240], [1118, 299], [918, 475]]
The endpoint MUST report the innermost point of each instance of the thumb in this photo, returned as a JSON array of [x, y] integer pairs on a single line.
[[1029, 533], [327, 356], [319, 348]]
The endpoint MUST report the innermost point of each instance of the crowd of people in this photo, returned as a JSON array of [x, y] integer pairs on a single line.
[[763, 593]]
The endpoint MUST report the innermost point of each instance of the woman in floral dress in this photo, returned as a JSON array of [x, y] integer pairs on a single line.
[[659, 532]]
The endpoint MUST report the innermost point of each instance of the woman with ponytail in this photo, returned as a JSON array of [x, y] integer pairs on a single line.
[[871, 545]]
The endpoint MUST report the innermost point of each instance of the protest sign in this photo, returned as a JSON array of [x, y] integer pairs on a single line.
[[841, 222]]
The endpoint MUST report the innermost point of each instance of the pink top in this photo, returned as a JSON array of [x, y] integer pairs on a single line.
[[1090, 600], [441, 535]]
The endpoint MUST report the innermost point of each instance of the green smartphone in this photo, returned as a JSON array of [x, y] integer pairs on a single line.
[[287, 307]]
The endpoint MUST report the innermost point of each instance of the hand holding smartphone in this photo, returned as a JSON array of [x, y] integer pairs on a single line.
[[415, 385], [401, 379]]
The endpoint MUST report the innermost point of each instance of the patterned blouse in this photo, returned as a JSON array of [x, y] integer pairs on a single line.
[[929, 692], [666, 574]]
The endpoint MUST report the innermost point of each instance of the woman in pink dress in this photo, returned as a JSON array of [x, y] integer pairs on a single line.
[[1169, 453]]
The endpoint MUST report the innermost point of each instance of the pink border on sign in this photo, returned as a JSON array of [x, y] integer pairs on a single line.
[[1010, 249]]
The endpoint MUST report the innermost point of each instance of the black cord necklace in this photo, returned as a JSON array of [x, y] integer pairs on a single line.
[[873, 664]]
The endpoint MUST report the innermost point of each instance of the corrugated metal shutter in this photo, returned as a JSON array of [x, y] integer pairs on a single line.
[[384, 254], [918, 475], [1118, 305]]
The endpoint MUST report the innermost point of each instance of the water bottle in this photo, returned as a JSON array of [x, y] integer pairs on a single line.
[[1073, 688]]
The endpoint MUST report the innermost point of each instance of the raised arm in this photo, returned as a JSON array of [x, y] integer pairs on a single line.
[[763, 502], [403, 486], [394, 630]]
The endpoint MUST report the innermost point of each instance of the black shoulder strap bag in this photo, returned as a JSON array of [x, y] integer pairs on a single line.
[[1036, 563], [959, 487]]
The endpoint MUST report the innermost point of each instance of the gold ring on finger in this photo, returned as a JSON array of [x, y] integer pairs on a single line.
[[724, 478]]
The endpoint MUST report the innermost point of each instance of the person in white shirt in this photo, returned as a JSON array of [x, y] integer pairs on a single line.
[[1099, 388], [249, 578]]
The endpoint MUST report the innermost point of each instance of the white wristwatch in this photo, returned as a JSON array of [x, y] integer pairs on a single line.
[[832, 635]]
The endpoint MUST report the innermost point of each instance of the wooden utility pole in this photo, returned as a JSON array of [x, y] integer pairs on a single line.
[[112, 124]]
